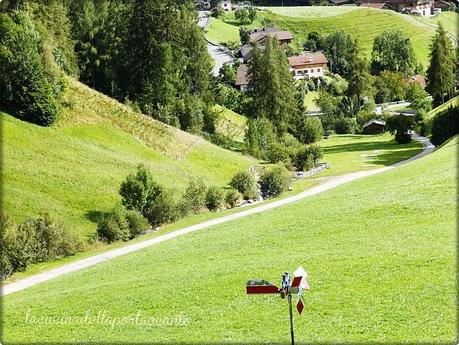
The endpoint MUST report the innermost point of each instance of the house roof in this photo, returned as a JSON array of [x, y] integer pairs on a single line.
[[242, 75], [245, 51], [307, 59], [374, 122], [260, 34], [417, 79]]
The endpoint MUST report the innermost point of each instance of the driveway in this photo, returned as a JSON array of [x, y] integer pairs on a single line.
[[111, 254], [221, 55]]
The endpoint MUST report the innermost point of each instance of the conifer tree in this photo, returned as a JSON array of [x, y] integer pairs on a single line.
[[442, 70]]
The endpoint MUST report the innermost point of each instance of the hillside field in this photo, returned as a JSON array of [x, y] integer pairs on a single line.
[[380, 253], [449, 19], [73, 170], [364, 24]]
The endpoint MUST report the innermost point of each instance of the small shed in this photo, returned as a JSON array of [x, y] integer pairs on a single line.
[[374, 127]]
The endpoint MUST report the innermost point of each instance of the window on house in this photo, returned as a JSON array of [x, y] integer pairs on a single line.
[[306, 71], [318, 70]]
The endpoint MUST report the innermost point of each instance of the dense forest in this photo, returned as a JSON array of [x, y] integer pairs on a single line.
[[149, 53]]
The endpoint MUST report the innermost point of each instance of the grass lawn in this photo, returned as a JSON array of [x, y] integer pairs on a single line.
[[380, 253], [364, 24], [311, 11], [218, 31], [231, 124], [309, 99], [73, 170], [350, 153], [449, 20]]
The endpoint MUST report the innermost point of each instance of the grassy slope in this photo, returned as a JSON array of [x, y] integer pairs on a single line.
[[231, 124], [380, 253], [448, 19], [451, 103], [311, 11], [364, 24], [74, 169]]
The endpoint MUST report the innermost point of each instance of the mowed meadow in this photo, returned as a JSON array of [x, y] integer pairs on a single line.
[[380, 253], [363, 24]]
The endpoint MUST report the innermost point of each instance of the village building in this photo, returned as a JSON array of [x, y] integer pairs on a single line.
[[308, 65], [420, 79], [258, 36], [419, 7], [242, 77], [374, 127]]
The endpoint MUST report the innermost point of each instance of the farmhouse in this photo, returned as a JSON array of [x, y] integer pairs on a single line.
[[308, 65], [259, 35], [242, 77], [420, 79], [374, 127], [419, 7]]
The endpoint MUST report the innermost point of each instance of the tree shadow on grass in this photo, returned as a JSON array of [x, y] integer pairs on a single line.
[[354, 147], [389, 158], [94, 216]]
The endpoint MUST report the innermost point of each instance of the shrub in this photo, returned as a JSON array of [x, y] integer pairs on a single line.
[[214, 198], [273, 182], [193, 200], [345, 125], [245, 183], [308, 157], [233, 198], [114, 226], [139, 189], [163, 210], [445, 125], [400, 125], [35, 240], [309, 129], [136, 223]]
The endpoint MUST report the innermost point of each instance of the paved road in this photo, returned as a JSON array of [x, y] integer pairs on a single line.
[[109, 255], [219, 54]]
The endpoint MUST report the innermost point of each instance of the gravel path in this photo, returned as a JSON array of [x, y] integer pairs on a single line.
[[109, 255]]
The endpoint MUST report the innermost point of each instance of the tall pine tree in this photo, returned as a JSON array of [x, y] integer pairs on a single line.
[[272, 86], [442, 70]]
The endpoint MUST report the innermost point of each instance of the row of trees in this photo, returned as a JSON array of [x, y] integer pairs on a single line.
[[150, 52]]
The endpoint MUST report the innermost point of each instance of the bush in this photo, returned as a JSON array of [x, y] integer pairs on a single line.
[[309, 129], [35, 240], [233, 198], [163, 210], [345, 125], [193, 200], [245, 183], [139, 190], [445, 125], [114, 226], [136, 223], [308, 157], [273, 182], [214, 198], [400, 125]]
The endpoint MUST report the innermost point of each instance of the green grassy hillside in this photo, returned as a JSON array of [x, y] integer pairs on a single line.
[[380, 253], [364, 24], [73, 170], [231, 124], [449, 20]]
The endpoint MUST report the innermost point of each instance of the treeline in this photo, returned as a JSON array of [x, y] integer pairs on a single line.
[[150, 53]]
